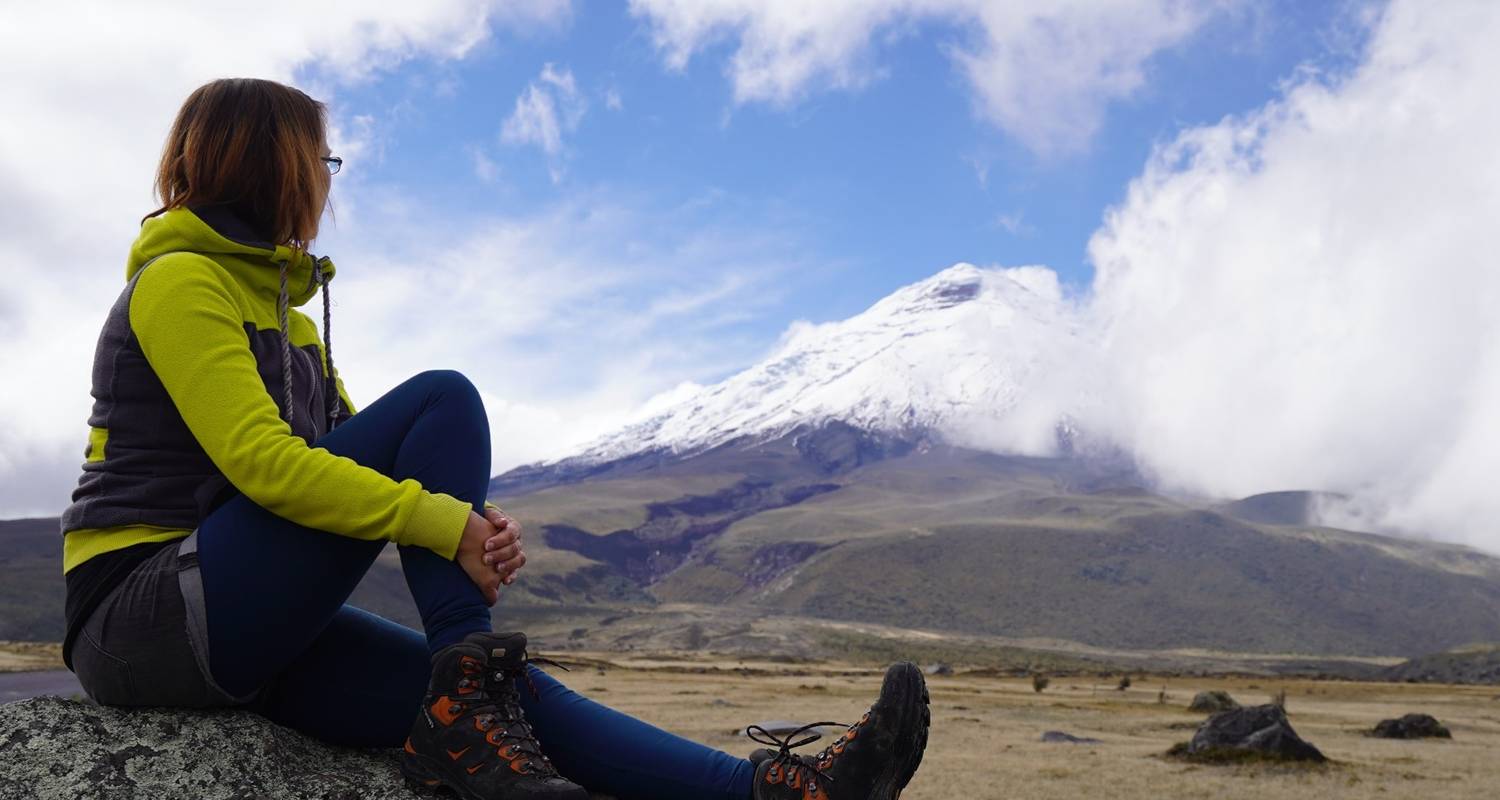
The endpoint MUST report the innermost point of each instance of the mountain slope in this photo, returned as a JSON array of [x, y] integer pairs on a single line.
[[945, 538], [963, 355]]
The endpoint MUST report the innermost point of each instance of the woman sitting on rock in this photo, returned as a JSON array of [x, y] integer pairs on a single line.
[[231, 499]]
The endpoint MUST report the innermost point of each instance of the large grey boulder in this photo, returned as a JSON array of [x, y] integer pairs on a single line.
[[56, 748], [1253, 733]]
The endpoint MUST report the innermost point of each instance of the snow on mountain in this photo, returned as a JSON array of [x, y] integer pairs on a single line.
[[977, 357]]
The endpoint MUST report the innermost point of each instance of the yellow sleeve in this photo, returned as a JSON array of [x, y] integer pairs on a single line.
[[193, 336]]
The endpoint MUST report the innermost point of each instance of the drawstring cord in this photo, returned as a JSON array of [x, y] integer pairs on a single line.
[[331, 390], [282, 302], [330, 382]]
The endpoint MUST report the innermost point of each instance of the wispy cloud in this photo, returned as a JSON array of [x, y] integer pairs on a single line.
[[567, 318], [1043, 71], [549, 108], [1014, 223]]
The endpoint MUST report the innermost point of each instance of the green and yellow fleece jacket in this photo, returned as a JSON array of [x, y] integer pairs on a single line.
[[188, 394]]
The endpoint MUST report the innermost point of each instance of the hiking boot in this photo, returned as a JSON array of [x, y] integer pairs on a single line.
[[873, 759], [471, 735]]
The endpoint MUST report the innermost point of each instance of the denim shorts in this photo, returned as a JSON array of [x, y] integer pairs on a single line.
[[146, 644]]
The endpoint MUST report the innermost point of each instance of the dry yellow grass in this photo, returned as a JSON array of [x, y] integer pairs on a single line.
[[986, 735], [29, 656]]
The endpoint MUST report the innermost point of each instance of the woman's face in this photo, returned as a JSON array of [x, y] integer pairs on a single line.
[[324, 177]]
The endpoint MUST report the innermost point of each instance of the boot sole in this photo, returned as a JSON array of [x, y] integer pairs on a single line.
[[423, 778], [904, 693], [430, 776]]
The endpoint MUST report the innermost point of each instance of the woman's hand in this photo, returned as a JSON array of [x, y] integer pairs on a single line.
[[472, 553], [504, 550]]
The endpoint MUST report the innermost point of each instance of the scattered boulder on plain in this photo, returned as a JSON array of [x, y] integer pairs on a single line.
[[1411, 726], [938, 669], [1213, 702], [1060, 737], [1256, 733]]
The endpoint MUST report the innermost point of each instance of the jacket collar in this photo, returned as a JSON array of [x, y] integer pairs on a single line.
[[216, 232]]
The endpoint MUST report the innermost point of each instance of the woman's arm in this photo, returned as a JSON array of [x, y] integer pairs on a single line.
[[192, 333]]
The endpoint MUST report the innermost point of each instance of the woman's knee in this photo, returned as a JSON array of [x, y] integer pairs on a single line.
[[451, 385], [446, 381]]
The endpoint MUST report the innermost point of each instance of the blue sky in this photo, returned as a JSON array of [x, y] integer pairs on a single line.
[[874, 187]]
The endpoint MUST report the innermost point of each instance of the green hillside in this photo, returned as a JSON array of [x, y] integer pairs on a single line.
[[947, 539]]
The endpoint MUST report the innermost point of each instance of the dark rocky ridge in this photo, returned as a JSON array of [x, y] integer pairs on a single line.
[[1474, 664]]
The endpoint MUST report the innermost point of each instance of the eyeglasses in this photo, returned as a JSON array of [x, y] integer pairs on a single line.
[[334, 164]]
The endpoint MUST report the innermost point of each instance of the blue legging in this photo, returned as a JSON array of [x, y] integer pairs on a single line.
[[277, 619]]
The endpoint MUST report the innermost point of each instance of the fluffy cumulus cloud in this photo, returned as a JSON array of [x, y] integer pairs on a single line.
[[1042, 70], [89, 91], [1308, 296]]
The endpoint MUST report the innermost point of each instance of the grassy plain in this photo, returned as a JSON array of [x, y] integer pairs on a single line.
[[986, 735], [29, 656]]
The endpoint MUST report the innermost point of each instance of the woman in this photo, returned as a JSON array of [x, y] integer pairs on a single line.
[[231, 499]]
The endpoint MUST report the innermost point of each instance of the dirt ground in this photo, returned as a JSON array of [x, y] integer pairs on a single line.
[[986, 733]]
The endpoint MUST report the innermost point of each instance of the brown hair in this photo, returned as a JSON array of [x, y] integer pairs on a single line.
[[254, 145]]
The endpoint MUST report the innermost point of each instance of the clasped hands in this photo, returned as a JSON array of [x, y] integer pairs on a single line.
[[490, 552]]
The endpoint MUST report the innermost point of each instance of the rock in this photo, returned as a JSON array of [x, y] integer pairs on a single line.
[[51, 747], [1411, 726], [1213, 702], [938, 669], [1066, 738], [1257, 732]]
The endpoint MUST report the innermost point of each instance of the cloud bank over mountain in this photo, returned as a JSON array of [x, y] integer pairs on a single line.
[[1308, 295]]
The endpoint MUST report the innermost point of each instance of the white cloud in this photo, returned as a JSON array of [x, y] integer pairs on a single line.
[[1308, 296], [567, 319], [88, 108], [1042, 70], [550, 107], [485, 168], [1013, 223]]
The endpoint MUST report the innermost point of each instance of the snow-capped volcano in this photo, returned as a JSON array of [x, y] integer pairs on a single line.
[[967, 355]]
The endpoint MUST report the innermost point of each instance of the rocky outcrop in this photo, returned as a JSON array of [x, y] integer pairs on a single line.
[[1213, 702], [1257, 733], [56, 748], [1411, 726], [1475, 664]]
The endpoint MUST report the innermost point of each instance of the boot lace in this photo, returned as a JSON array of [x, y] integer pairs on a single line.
[[793, 765], [501, 718]]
